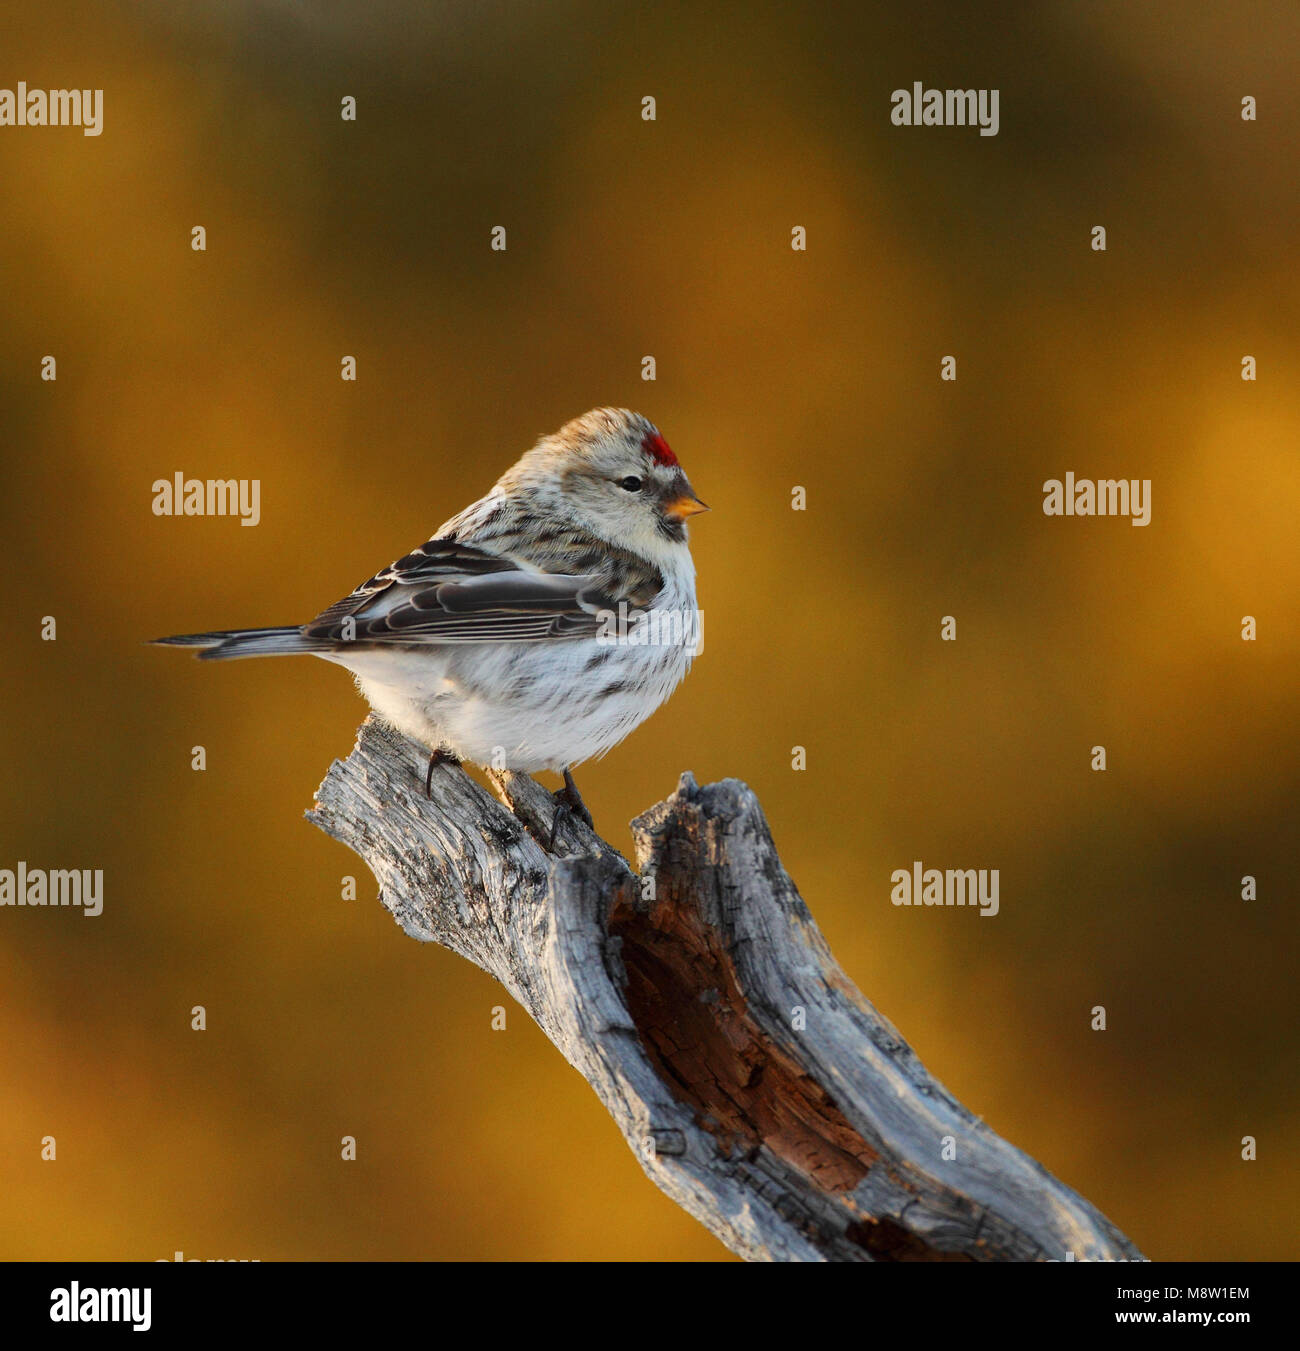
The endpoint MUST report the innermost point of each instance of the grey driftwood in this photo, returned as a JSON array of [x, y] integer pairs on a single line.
[[755, 1084]]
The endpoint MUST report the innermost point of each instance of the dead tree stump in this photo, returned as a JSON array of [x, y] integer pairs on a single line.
[[756, 1085]]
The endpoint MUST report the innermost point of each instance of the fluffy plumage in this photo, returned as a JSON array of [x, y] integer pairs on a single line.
[[491, 642]]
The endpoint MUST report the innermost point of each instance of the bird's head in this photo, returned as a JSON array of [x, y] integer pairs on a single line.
[[612, 471]]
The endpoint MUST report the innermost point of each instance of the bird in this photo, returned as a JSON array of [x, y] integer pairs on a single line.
[[536, 628]]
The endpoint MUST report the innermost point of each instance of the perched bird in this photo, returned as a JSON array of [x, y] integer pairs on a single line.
[[539, 626]]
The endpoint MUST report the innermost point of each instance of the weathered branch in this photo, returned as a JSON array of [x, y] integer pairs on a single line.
[[758, 1088]]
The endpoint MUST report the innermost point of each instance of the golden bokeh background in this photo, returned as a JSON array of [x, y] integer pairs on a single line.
[[775, 368]]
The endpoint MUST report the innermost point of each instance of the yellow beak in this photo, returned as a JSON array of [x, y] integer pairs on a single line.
[[682, 507]]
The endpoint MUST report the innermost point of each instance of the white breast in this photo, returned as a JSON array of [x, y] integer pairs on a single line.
[[531, 706]]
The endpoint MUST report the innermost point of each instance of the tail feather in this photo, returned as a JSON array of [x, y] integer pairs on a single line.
[[233, 643]]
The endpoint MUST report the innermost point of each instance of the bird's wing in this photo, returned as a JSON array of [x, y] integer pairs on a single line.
[[448, 591]]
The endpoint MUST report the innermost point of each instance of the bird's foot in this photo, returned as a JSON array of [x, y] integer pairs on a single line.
[[568, 802], [439, 757]]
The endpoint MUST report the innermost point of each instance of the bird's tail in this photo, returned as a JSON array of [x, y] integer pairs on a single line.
[[223, 646]]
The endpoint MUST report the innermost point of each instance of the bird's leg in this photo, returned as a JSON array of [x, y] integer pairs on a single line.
[[576, 804], [439, 757], [568, 802]]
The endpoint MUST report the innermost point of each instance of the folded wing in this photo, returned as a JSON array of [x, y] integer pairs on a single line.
[[448, 591]]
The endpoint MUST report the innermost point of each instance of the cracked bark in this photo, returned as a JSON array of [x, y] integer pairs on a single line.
[[756, 1085]]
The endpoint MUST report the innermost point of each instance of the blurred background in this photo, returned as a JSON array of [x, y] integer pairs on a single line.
[[775, 368]]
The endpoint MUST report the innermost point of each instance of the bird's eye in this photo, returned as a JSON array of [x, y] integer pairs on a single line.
[[631, 483]]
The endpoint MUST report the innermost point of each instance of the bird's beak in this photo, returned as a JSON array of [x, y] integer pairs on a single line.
[[685, 505]]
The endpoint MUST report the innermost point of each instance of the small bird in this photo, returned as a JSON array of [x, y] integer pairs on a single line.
[[539, 626]]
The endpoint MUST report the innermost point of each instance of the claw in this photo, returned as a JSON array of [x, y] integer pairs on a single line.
[[568, 802], [562, 812], [439, 757]]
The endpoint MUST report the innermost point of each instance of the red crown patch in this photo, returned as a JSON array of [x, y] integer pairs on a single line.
[[659, 450]]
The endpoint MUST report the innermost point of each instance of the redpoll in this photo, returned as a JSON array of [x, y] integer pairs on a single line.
[[539, 626]]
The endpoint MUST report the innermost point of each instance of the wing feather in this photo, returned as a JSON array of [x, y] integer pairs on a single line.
[[451, 591]]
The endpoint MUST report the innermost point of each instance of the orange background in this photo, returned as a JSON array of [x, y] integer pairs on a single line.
[[775, 368]]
